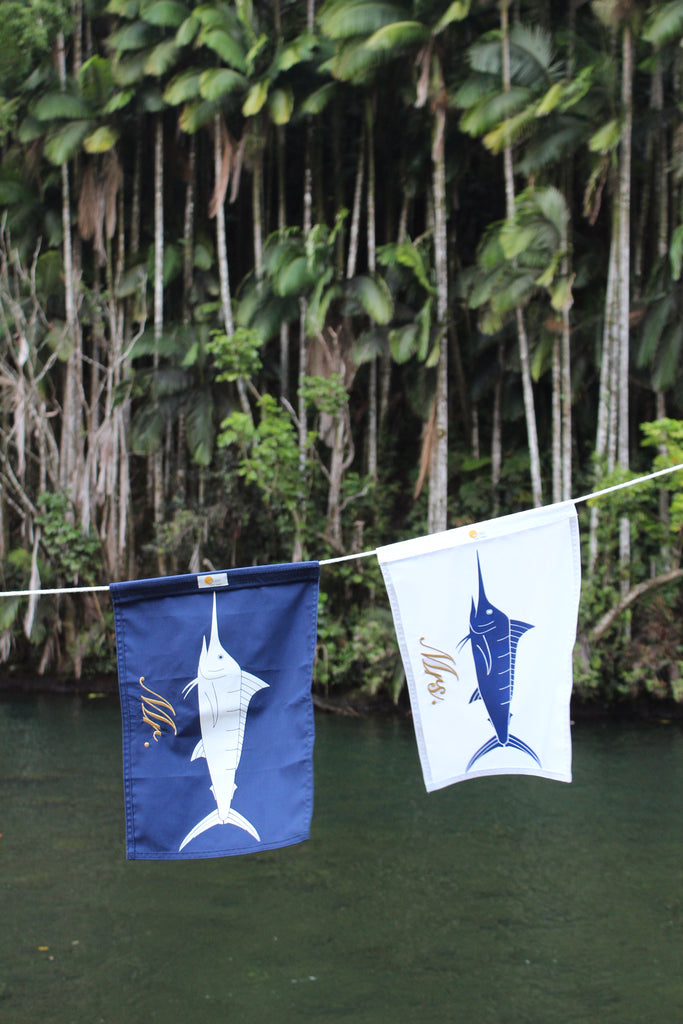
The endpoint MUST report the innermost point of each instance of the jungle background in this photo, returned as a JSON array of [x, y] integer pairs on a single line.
[[283, 280]]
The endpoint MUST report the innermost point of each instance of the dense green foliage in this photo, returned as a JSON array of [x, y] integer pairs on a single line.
[[281, 282]]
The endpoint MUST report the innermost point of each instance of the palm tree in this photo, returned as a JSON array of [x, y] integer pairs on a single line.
[[370, 35], [514, 74]]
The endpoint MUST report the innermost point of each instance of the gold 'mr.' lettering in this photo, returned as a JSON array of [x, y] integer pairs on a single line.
[[436, 663], [154, 710]]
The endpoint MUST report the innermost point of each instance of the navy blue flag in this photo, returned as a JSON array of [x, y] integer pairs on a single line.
[[215, 686]]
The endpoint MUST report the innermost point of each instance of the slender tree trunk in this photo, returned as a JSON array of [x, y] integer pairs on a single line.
[[354, 232], [72, 389], [157, 457], [257, 203], [557, 420], [606, 402], [188, 279], [438, 470], [188, 232], [527, 387], [372, 266], [566, 389], [282, 224], [221, 246], [624, 289], [297, 552], [135, 204], [661, 190]]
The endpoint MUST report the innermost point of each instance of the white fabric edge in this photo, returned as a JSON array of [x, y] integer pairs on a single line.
[[442, 783], [515, 522]]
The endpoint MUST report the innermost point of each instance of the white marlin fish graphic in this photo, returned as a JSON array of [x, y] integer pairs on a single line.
[[224, 691]]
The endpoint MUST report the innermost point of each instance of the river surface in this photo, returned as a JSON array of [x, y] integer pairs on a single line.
[[508, 900]]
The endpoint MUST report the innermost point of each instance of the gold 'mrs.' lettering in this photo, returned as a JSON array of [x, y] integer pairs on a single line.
[[437, 663]]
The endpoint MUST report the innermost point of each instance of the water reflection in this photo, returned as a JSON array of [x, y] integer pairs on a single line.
[[497, 900]]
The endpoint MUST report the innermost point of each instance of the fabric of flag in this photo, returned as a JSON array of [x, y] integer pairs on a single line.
[[485, 617], [215, 686]]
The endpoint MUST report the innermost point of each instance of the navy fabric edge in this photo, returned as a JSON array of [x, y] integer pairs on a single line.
[[300, 837], [249, 576]]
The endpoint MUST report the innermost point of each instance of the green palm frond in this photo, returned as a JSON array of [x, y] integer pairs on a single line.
[[255, 99], [486, 55], [53, 106], [225, 45], [532, 62], [166, 13], [199, 425], [373, 297], [101, 140], [187, 32], [186, 85], [457, 11], [298, 50], [96, 80], [161, 58], [398, 34], [354, 62], [293, 278], [665, 23], [344, 19], [130, 68], [548, 148], [666, 369], [510, 131], [136, 36], [492, 109], [606, 138], [66, 142], [196, 114], [124, 8], [473, 90], [316, 101], [281, 105], [531, 55]]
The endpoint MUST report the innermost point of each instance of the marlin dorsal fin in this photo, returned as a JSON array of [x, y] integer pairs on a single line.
[[517, 630]]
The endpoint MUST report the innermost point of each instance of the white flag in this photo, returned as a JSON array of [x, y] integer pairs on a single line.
[[485, 617]]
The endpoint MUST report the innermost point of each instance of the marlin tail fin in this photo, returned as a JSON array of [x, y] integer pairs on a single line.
[[233, 818], [494, 743]]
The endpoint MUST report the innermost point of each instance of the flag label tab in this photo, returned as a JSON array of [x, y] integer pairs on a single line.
[[210, 580]]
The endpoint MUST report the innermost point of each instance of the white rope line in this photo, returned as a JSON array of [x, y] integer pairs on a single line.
[[575, 501], [361, 554], [54, 590], [627, 483]]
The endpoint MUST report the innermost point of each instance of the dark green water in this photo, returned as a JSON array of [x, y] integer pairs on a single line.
[[501, 900]]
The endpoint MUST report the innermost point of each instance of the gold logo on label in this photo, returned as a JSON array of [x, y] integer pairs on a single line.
[[437, 663]]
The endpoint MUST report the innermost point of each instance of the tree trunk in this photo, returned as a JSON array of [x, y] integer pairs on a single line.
[[438, 469], [157, 457], [222, 249], [557, 421], [372, 266], [527, 387], [73, 379], [624, 202], [282, 224]]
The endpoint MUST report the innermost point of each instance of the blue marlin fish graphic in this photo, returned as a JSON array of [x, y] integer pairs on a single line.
[[494, 638]]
